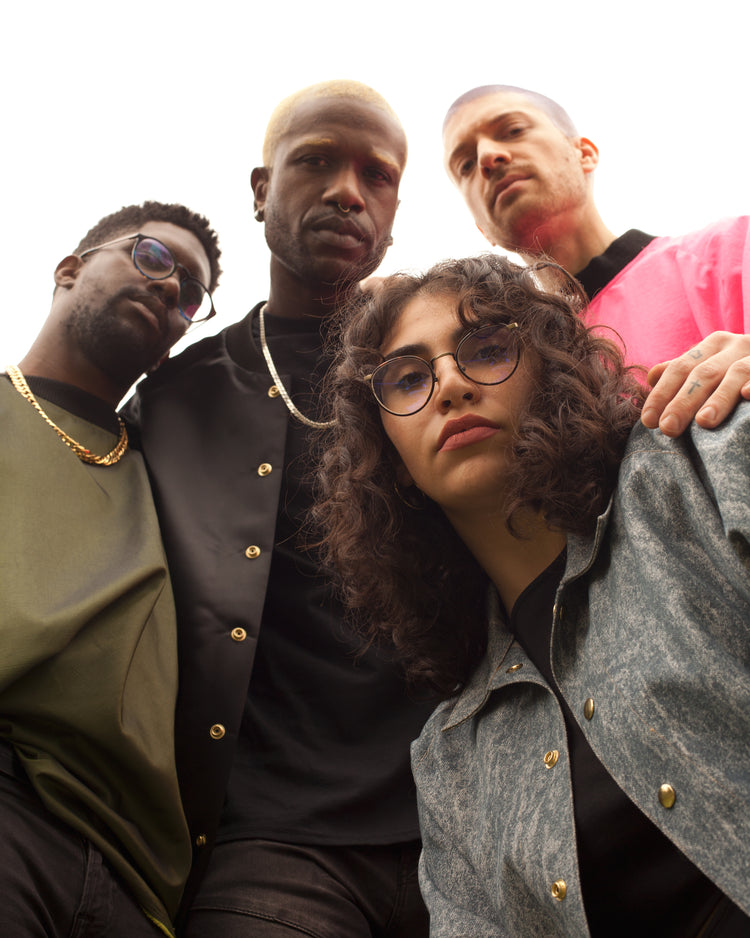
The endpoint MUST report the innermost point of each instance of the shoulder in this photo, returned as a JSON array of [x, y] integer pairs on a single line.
[[703, 470], [730, 438], [706, 243], [194, 373], [194, 356]]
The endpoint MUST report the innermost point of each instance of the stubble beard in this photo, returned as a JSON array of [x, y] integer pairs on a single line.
[[112, 344], [310, 267]]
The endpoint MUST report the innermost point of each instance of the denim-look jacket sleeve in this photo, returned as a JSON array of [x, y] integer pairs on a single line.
[[651, 649]]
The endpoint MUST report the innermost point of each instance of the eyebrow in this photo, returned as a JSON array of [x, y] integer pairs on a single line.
[[377, 156], [308, 142], [463, 148], [421, 349]]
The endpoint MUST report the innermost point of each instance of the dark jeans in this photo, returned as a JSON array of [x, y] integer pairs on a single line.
[[265, 889], [53, 882]]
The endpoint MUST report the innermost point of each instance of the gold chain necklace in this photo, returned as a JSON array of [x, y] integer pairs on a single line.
[[318, 424], [85, 455]]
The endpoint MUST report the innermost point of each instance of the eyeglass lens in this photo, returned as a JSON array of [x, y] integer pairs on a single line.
[[487, 356], [155, 260]]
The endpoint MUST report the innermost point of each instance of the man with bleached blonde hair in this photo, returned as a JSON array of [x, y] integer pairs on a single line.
[[292, 740], [282, 116]]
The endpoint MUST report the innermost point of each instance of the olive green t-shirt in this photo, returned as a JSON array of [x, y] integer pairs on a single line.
[[88, 673]]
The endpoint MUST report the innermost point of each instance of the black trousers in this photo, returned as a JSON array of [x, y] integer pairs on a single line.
[[265, 889], [53, 882]]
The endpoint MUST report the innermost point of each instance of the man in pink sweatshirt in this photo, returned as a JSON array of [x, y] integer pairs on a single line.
[[527, 178]]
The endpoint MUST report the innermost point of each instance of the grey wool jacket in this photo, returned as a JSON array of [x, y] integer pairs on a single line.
[[651, 651]]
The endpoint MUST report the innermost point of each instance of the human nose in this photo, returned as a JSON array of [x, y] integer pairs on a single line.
[[491, 154], [452, 384], [345, 192], [168, 289]]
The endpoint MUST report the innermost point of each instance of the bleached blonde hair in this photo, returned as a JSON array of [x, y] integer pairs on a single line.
[[281, 118]]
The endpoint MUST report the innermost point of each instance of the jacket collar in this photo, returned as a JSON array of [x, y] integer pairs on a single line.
[[505, 662]]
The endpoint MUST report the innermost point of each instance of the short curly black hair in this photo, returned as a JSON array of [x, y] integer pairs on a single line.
[[130, 217]]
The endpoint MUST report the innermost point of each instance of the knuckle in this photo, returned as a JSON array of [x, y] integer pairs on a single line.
[[740, 368], [709, 371]]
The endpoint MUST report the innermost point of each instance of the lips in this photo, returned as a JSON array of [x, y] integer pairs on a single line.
[[153, 304], [505, 183], [464, 431], [339, 232]]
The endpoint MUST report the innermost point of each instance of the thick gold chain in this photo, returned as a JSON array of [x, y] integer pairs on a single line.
[[85, 455]]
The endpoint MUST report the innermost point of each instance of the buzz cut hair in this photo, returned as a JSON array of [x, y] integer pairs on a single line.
[[557, 114], [281, 119]]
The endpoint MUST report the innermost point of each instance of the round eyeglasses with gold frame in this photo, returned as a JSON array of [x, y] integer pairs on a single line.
[[488, 355]]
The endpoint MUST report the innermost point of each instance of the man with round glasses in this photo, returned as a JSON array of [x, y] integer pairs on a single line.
[[292, 740], [93, 839], [156, 262]]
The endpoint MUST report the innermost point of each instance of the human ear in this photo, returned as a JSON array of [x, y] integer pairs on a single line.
[[259, 179], [67, 271], [589, 154]]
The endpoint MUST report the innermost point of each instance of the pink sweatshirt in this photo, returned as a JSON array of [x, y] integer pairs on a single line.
[[677, 291]]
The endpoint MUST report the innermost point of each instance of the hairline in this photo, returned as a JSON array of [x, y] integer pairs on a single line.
[[281, 121], [554, 111]]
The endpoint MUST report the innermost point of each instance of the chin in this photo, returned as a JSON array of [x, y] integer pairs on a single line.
[[345, 273]]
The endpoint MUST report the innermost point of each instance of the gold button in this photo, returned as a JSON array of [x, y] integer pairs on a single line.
[[217, 731], [551, 757], [667, 796], [559, 889], [252, 552], [514, 667], [200, 840], [239, 635], [273, 391], [588, 708], [265, 469]]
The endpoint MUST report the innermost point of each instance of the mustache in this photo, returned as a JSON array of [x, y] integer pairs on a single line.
[[331, 221]]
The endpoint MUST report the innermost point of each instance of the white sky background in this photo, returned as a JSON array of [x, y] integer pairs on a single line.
[[106, 104]]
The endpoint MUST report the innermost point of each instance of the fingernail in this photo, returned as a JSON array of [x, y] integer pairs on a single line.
[[648, 417], [669, 425], [708, 414]]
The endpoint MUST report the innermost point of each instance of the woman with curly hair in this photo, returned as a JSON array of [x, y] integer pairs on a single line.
[[578, 593]]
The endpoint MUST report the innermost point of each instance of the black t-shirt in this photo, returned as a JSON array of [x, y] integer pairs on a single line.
[[601, 269], [321, 757]]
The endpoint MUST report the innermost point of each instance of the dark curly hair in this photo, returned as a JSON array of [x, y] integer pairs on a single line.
[[129, 219], [406, 576]]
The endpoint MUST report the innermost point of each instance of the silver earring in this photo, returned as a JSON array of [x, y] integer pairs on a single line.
[[258, 215]]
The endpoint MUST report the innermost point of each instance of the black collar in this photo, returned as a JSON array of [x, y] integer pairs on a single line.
[[605, 267], [76, 401]]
